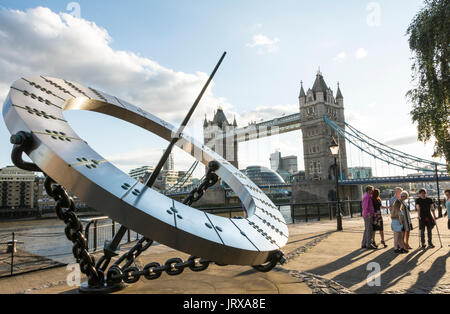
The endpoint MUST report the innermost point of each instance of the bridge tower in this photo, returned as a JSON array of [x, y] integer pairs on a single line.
[[225, 146], [319, 102]]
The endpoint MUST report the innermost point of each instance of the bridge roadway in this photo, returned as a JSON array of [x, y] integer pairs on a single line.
[[400, 179], [264, 129]]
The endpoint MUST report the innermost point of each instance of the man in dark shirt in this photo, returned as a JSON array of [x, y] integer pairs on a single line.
[[424, 205]]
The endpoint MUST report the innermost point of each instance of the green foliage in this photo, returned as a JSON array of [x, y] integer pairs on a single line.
[[429, 40]]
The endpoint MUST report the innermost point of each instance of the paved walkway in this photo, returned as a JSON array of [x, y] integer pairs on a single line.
[[319, 260]]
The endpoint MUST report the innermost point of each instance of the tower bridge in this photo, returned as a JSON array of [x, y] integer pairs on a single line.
[[315, 104], [320, 118]]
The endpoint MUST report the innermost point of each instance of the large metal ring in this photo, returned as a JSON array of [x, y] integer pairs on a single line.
[[36, 104]]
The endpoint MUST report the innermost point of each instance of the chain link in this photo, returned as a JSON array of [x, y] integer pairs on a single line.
[[153, 270], [65, 210], [210, 179]]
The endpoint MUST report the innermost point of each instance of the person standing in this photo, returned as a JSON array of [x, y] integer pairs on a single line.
[[424, 206], [398, 191], [407, 224], [397, 227], [368, 214], [378, 218]]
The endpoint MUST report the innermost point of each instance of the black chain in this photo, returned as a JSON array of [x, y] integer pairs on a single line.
[[65, 210], [210, 179], [153, 270]]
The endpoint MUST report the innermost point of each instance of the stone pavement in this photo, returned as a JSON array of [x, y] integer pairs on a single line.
[[319, 260]]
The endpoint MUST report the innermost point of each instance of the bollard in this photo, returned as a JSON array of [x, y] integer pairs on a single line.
[[292, 213], [11, 246]]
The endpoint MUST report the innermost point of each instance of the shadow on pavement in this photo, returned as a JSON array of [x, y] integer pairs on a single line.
[[341, 262], [358, 274], [426, 281], [393, 275]]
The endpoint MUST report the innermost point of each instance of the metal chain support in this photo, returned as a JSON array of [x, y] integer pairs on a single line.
[[210, 179], [153, 270], [65, 210]]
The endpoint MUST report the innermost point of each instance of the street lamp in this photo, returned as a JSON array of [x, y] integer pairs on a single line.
[[435, 156], [334, 148]]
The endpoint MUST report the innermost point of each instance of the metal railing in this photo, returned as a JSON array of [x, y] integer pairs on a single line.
[[228, 211], [101, 229], [316, 211]]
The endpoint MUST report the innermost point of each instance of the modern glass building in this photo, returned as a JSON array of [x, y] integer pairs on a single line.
[[263, 176]]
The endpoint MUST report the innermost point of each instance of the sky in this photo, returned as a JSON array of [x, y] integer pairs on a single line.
[[158, 54]]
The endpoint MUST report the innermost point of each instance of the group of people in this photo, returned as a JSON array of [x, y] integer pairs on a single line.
[[401, 218]]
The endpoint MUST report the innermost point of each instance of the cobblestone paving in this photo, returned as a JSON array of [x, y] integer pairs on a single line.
[[441, 289], [317, 284]]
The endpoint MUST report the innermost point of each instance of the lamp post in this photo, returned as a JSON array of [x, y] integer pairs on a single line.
[[334, 148], [435, 156]]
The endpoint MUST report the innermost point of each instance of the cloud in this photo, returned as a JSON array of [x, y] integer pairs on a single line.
[[340, 56], [150, 157], [264, 43], [405, 140], [39, 41], [263, 113], [361, 53]]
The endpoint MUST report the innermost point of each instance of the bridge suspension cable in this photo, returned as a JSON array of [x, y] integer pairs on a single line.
[[383, 152], [182, 180]]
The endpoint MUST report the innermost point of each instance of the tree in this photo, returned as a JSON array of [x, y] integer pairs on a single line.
[[429, 40]]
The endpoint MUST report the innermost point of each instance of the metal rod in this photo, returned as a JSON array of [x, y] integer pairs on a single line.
[[151, 180], [438, 191], [95, 235], [292, 213], [12, 253], [338, 212]]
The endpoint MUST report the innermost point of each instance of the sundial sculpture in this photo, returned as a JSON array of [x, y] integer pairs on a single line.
[[33, 113]]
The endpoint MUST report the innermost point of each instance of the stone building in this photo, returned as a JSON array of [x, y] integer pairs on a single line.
[[225, 147], [319, 102], [17, 188]]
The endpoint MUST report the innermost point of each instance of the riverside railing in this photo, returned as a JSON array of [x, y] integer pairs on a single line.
[[98, 230], [101, 229]]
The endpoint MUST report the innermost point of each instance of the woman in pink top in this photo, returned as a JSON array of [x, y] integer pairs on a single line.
[[368, 215]]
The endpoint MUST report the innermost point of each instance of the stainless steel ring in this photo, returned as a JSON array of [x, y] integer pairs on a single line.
[[36, 105]]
